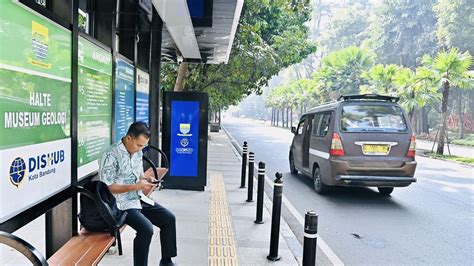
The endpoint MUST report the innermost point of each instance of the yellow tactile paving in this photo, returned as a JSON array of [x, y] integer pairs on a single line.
[[222, 251]]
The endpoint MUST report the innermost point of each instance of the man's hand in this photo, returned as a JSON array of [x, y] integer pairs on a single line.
[[145, 185], [150, 175]]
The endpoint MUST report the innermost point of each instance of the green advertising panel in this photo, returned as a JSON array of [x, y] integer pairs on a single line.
[[31, 43], [94, 103], [35, 78], [35, 108]]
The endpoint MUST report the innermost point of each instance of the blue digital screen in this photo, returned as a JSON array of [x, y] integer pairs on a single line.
[[196, 8], [124, 98], [184, 138]]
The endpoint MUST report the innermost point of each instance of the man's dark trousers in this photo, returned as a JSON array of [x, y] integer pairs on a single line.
[[142, 221]]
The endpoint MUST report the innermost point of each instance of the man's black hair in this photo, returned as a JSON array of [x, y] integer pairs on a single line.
[[137, 129]]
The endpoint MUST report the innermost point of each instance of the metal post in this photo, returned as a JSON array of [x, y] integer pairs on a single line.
[[250, 179], [276, 214], [244, 164], [260, 187], [310, 234]]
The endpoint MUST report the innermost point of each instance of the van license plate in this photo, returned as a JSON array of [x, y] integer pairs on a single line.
[[371, 149]]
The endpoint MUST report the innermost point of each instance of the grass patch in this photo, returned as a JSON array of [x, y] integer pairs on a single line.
[[459, 159], [468, 141]]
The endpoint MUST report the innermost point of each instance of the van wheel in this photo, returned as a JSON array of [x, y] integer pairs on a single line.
[[386, 191], [319, 186], [292, 165]]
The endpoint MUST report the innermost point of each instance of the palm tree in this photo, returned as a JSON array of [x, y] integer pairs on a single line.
[[449, 69]]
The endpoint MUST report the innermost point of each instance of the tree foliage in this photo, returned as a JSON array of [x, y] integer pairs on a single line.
[[341, 71], [401, 31], [349, 28], [455, 24], [271, 36]]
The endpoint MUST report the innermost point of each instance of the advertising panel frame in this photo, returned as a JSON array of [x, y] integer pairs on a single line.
[[171, 140], [137, 91], [39, 207], [116, 57], [112, 82]]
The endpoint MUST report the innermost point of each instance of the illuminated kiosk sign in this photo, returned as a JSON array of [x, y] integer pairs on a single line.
[[35, 110], [185, 139]]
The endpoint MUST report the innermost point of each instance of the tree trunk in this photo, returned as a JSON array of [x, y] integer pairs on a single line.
[[424, 120], [460, 114], [278, 117], [219, 115], [444, 120], [179, 85], [287, 116], [273, 116], [291, 117]]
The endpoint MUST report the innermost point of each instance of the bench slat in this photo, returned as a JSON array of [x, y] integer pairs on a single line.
[[87, 248]]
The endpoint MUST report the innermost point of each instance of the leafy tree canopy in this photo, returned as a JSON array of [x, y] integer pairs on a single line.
[[455, 25], [401, 31], [341, 71], [271, 36]]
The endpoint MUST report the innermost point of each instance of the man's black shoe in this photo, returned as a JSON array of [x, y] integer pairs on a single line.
[[167, 263]]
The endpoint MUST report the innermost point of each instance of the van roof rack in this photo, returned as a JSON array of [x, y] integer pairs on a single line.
[[369, 97]]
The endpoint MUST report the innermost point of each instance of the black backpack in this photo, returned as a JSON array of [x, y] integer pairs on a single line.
[[99, 211]]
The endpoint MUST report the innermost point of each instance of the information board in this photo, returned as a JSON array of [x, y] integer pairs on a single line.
[[35, 96], [143, 94], [124, 98], [94, 105]]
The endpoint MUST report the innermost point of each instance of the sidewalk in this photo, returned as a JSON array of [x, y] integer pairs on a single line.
[[215, 226], [458, 150]]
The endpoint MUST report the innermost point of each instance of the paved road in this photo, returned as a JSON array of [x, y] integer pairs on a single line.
[[429, 222]]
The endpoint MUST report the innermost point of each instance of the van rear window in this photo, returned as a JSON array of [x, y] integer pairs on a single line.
[[377, 118]]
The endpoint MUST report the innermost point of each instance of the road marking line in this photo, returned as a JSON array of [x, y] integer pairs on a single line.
[[321, 243]]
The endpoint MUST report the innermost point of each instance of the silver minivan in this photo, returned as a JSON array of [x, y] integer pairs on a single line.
[[360, 140]]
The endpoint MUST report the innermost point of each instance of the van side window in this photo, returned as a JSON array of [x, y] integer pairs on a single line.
[[321, 124], [300, 129], [316, 121], [324, 125]]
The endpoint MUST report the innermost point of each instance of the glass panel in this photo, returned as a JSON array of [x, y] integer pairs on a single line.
[[380, 118]]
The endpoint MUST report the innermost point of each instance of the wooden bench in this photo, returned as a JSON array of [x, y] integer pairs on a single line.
[[88, 248]]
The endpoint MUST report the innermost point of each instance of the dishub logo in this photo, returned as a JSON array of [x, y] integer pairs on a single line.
[[184, 142], [36, 166], [17, 171]]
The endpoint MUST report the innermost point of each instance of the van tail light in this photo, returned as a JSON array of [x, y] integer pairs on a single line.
[[412, 150], [336, 146]]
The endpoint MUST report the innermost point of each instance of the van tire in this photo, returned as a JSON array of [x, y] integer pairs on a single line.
[[318, 183], [385, 191], [292, 165]]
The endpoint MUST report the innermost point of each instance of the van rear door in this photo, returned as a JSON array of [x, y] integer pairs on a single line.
[[374, 130]]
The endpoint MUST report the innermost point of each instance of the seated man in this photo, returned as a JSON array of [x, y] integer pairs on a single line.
[[121, 168]]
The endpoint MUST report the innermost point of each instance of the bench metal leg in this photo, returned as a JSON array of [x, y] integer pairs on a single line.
[[119, 241]]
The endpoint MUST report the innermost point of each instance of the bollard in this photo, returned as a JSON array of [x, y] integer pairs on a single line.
[[310, 234], [250, 179], [260, 187], [244, 164], [276, 214]]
